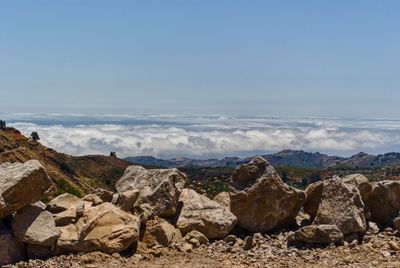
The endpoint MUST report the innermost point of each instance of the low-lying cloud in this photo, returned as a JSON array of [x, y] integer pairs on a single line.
[[216, 137]]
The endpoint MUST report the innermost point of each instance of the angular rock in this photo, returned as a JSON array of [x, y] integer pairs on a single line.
[[341, 205], [361, 182], [314, 195], [159, 188], [202, 214], [34, 225], [104, 195], [264, 204], [22, 184], [127, 199], [11, 251], [383, 203], [317, 234], [160, 232], [196, 238], [247, 174], [94, 199], [104, 228], [223, 198], [62, 203]]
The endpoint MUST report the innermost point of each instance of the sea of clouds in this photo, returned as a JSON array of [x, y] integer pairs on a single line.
[[205, 137]]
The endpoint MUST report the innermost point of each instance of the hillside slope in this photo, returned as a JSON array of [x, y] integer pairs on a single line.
[[77, 175]]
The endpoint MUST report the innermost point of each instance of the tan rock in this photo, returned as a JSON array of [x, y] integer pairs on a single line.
[[104, 195], [160, 232], [34, 225], [127, 199], [62, 203], [314, 195], [104, 228], [93, 198], [264, 204], [22, 184], [159, 188], [341, 205], [384, 202], [223, 198], [317, 234], [361, 182], [202, 214], [196, 238]]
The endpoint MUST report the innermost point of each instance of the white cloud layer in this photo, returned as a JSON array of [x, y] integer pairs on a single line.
[[203, 137]]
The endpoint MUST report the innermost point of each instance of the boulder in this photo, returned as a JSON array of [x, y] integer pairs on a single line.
[[198, 212], [383, 203], [93, 198], [223, 198], [361, 182], [341, 205], [104, 228], [22, 184], [62, 203], [313, 194], [159, 188], [11, 251], [265, 203], [317, 234], [34, 225], [160, 232]]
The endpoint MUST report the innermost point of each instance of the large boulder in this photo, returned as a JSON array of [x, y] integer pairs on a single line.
[[11, 251], [223, 198], [159, 189], [361, 182], [384, 202], [62, 203], [104, 228], [341, 205], [317, 234], [34, 225], [198, 212], [159, 232], [22, 184], [265, 203]]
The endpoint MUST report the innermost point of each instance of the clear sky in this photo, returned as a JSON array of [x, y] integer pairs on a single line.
[[321, 58]]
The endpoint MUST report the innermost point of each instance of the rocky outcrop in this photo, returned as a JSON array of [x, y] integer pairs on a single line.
[[34, 225], [160, 232], [341, 205], [265, 203], [103, 228], [22, 184], [384, 202], [198, 212], [159, 189], [317, 234]]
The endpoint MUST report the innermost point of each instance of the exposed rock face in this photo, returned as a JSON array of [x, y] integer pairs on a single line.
[[10, 250], [223, 198], [384, 202], [159, 188], [34, 225], [160, 232], [317, 234], [266, 203], [103, 228], [341, 205], [202, 214], [21, 185]]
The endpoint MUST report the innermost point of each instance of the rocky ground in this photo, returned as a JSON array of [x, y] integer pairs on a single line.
[[377, 250]]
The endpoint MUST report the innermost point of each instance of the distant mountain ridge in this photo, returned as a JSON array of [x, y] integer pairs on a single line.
[[294, 158]]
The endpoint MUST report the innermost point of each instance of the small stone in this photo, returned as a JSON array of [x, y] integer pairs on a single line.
[[394, 246], [230, 239], [385, 254], [248, 243]]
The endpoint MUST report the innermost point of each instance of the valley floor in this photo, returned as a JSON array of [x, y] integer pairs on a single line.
[[377, 250]]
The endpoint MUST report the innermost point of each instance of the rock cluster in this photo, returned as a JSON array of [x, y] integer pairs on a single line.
[[152, 214]]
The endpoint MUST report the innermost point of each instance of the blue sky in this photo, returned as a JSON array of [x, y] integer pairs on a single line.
[[319, 58]]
